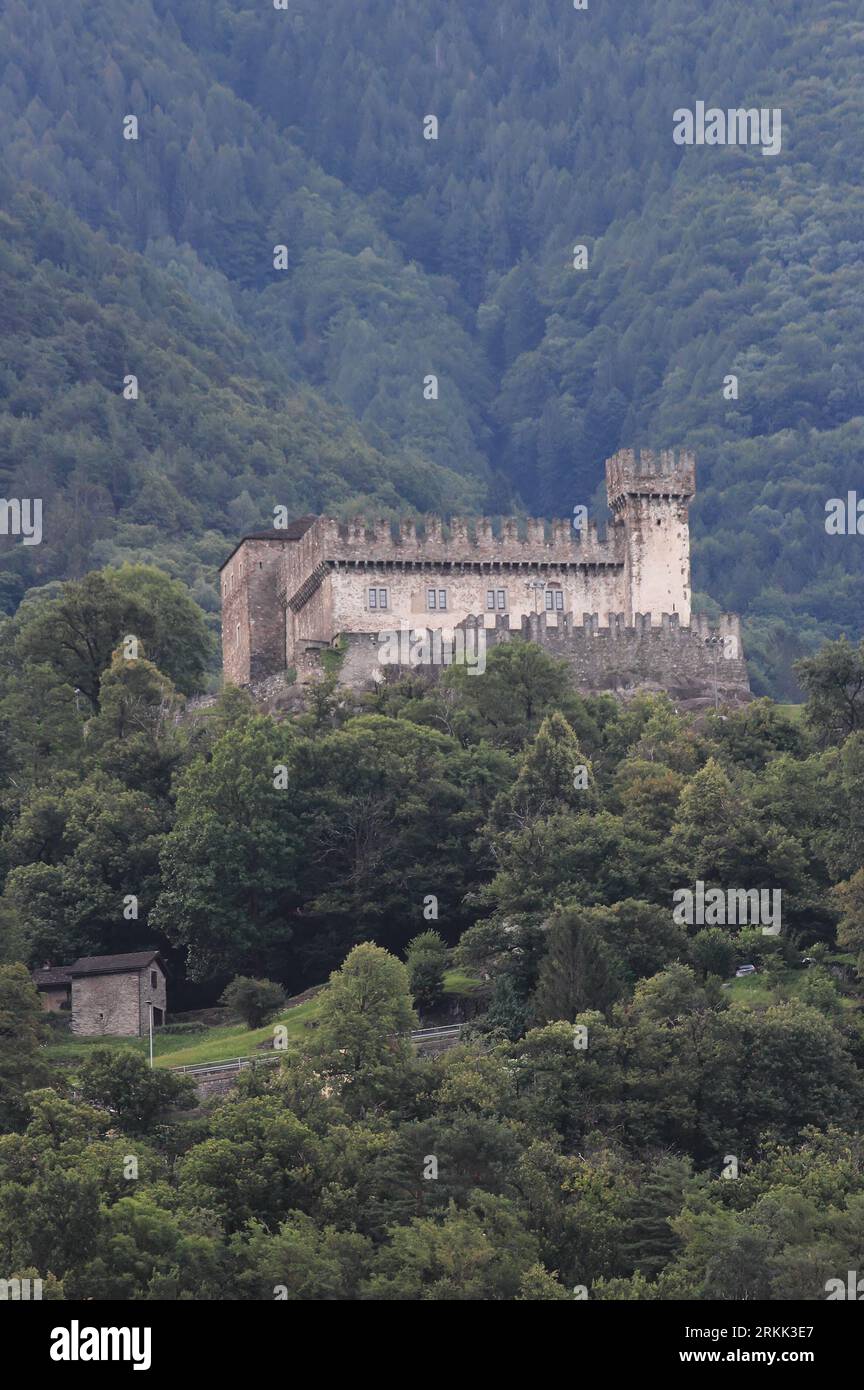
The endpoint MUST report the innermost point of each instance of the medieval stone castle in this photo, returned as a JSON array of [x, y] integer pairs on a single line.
[[616, 608]]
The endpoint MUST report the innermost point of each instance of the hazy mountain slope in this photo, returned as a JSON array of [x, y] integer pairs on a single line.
[[210, 172], [217, 437]]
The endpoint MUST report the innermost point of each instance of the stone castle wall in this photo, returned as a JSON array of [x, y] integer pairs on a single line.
[[289, 597], [253, 624], [611, 657]]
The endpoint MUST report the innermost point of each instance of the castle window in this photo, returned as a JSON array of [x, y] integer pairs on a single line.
[[555, 600], [431, 598], [153, 979], [382, 598], [502, 599], [496, 598], [379, 598], [490, 598]]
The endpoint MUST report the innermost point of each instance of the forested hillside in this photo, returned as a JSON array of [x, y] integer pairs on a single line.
[[406, 256], [577, 1143], [217, 437]]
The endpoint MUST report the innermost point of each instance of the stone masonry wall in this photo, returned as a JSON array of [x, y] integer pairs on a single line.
[[106, 1004], [116, 1005], [613, 657], [253, 624], [582, 590], [148, 995]]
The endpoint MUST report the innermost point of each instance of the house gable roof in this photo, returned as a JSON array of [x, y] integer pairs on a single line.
[[50, 976], [115, 965]]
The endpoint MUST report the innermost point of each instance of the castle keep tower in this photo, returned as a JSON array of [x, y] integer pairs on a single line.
[[615, 607], [650, 495]]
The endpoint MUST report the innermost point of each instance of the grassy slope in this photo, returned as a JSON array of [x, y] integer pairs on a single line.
[[222, 1041]]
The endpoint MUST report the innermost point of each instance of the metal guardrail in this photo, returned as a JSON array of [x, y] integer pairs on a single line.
[[449, 1030], [228, 1063]]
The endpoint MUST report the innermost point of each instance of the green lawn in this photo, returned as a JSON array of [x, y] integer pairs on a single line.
[[458, 982], [795, 712], [235, 1039], [176, 1049]]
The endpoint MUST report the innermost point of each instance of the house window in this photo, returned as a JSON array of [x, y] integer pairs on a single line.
[[154, 979], [555, 599], [436, 598], [379, 598]]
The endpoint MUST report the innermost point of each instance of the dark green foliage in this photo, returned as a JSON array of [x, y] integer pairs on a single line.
[[426, 958], [133, 1094], [253, 1000]]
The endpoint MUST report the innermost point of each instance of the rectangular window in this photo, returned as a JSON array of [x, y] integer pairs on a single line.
[[502, 599], [431, 598], [382, 598], [373, 598], [442, 598], [490, 598], [549, 599], [555, 599]]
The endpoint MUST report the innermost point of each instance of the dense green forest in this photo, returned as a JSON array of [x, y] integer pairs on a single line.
[[304, 127], [565, 1164]]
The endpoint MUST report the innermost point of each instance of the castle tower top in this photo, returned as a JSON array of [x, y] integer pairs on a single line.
[[644, 473]]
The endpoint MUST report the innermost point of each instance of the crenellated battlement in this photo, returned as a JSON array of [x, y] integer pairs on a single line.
[[667, 474], [519, 541]]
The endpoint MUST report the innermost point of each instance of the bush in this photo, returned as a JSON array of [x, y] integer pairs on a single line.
[[426, 959], [253, 1000]]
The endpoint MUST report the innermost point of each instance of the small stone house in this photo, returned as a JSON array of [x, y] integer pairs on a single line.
[[106, 994], [113, 994], [54, 984]]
